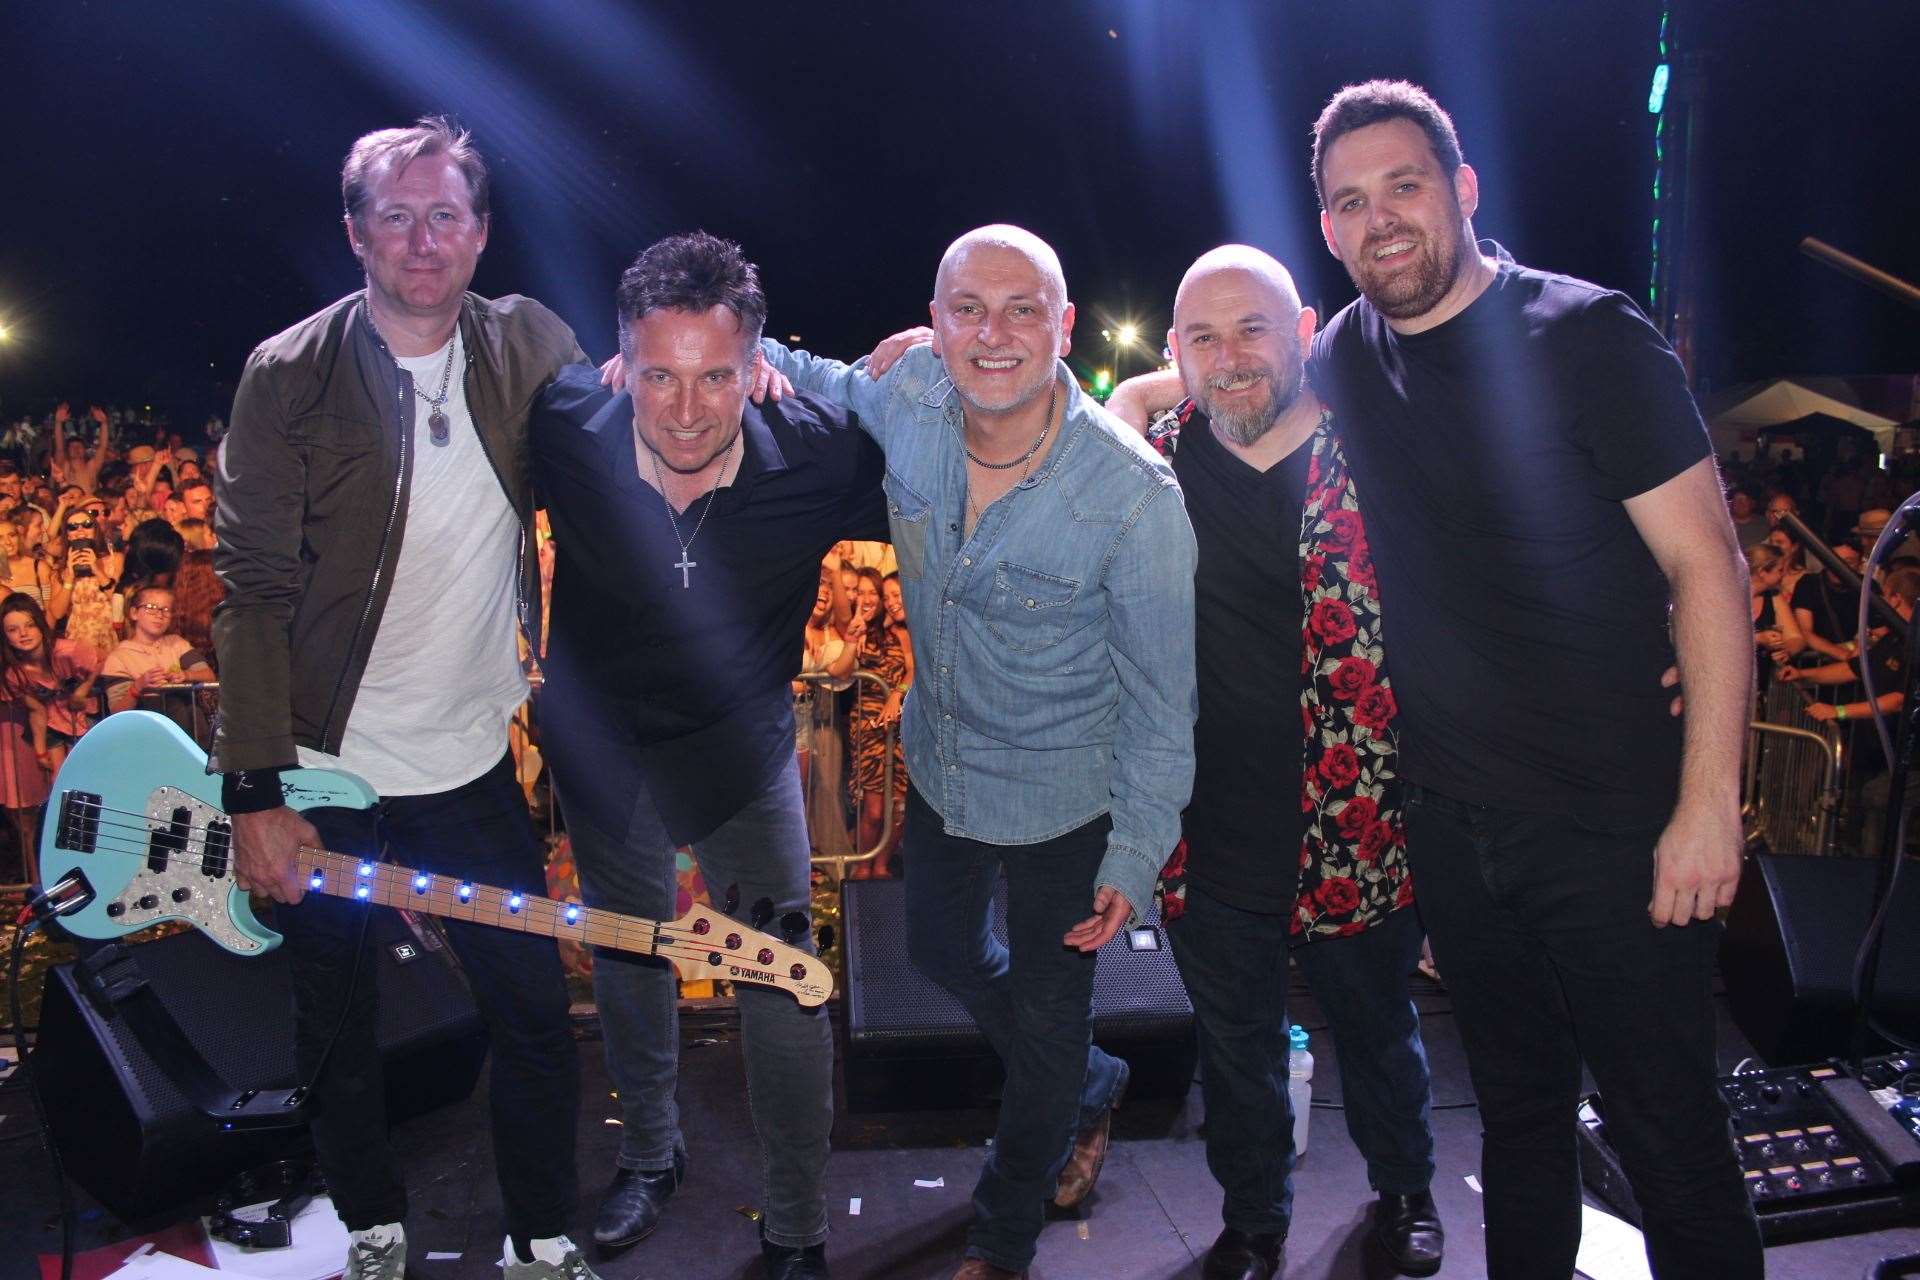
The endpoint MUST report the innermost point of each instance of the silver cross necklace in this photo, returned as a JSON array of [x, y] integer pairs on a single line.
[[684, 564]]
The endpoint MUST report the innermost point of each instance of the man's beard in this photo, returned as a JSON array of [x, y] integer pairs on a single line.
[[1244, 426], [1417, 288]]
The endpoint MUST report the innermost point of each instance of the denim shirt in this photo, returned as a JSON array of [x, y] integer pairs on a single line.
[[1053, 647]]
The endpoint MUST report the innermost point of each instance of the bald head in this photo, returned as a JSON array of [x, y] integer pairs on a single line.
[[1005, 239], [1240, 335], [1259, 272]]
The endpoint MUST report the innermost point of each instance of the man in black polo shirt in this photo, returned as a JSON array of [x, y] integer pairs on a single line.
[[1542, 503], [690, 527]]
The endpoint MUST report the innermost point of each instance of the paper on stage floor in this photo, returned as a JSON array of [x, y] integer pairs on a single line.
[[319, 1245], [151, 1265], [1609, 1248]]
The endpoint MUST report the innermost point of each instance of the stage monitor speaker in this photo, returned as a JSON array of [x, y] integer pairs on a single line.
[[1788, 952], [912, 1047], [131, 1137]]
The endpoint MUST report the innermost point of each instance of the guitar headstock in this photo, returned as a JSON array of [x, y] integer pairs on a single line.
[[703, 943]]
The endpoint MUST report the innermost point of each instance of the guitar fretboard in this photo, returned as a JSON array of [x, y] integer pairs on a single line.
[[386, 884]]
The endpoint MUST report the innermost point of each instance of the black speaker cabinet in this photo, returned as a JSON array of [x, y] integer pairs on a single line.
[[135, 1142], [1787, 956], [912, 1047]]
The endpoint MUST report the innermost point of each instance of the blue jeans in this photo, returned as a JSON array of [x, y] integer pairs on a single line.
[[1234, 964], [1539, 923], [478, 832], [1032, 999], [789, 1049]]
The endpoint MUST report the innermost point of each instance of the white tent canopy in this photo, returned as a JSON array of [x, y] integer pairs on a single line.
[[1735, 416]]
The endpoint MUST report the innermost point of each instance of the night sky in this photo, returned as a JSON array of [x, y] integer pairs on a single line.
[[172, 194]]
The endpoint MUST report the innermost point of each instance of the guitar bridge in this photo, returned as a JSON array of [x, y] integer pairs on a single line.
[[78, 826]]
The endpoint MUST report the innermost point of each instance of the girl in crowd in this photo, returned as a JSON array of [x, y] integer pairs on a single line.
[[818, 743], [1775, 630], [882, 649], [46, 688], [24, 570]]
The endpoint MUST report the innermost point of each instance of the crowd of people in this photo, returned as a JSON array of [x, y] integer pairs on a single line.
[[845, 721], [106, 568]]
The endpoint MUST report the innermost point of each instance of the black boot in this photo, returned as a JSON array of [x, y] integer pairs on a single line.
[[630, 1209], [794, 1262], [1408, 1230], [1242, 1255]]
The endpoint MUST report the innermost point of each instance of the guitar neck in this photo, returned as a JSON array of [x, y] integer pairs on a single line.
[[389, 885]]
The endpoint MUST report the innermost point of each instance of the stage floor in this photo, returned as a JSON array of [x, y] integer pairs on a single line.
[[1155, 1212]]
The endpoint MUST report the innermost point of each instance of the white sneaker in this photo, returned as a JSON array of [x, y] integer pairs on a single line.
[[377, 1254], [554, 1259]]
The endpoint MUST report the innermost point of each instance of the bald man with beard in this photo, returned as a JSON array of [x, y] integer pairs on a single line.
[[1293, 840], [1047, 565]]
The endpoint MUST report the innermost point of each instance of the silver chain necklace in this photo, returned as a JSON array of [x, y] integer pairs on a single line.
[[1027, 457], [437, 420], [1053, 396], [683, 564]]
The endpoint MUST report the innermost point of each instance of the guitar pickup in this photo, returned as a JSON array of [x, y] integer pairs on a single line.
[[169, 841], [78, 826], [217, 852]]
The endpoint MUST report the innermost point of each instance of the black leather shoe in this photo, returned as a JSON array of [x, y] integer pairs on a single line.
[[630, 1209], [1241, 1255], [1408, 1230], [791, 1262]]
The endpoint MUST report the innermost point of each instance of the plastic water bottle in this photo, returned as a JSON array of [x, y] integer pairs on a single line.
[[1299, 1085]]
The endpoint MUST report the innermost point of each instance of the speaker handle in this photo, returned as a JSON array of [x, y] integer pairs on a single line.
[[114, 984]]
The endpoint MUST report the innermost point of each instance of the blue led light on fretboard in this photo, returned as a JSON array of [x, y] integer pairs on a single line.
[[573, 915], [366, 868], [362, 892], [466, 892], [317, 879], [420, 883], [513, 902]]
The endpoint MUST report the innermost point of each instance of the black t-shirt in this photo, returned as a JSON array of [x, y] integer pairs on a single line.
[[1243, 825], [1834, 609], [1525, 618], [685, 689]]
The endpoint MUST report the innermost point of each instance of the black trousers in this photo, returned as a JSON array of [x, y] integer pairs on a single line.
[[479, 832], [1539, 924]]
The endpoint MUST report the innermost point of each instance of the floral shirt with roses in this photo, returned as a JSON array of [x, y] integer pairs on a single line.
[[1353, 859]]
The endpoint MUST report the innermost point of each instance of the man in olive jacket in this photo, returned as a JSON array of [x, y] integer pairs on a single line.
[[373, 520]]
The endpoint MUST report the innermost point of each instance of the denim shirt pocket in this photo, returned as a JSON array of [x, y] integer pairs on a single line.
[[1027, 609], [910, 516]]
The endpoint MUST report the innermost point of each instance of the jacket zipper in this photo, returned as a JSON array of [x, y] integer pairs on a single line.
[[520, 582], [379, 564]]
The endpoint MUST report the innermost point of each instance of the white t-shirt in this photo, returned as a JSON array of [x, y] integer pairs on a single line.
[[444, 676]]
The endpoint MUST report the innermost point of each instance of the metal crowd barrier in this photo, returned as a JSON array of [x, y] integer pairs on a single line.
[[836, 864], [1792, 781]]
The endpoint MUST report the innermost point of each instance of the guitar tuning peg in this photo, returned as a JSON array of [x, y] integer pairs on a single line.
[[733, 899], [794, 926], [762, 913]]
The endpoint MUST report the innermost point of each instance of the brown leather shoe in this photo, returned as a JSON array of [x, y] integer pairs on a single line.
[[981, 1269], [1082, 1169]]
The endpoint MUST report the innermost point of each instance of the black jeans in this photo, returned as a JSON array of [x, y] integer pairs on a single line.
[[479, 832], [1539, 924], [1234, 965], [1032, 999]]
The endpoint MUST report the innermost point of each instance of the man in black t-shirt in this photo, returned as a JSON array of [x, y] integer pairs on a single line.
[[1293, 836], [1540, 490], [689, 527]]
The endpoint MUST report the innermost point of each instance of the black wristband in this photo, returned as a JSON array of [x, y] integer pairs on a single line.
[[251, 791]]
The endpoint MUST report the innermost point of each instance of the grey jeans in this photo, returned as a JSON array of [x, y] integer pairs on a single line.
[[789, 1049]]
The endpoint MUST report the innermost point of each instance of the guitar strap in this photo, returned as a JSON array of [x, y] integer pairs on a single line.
[[115, 985]]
